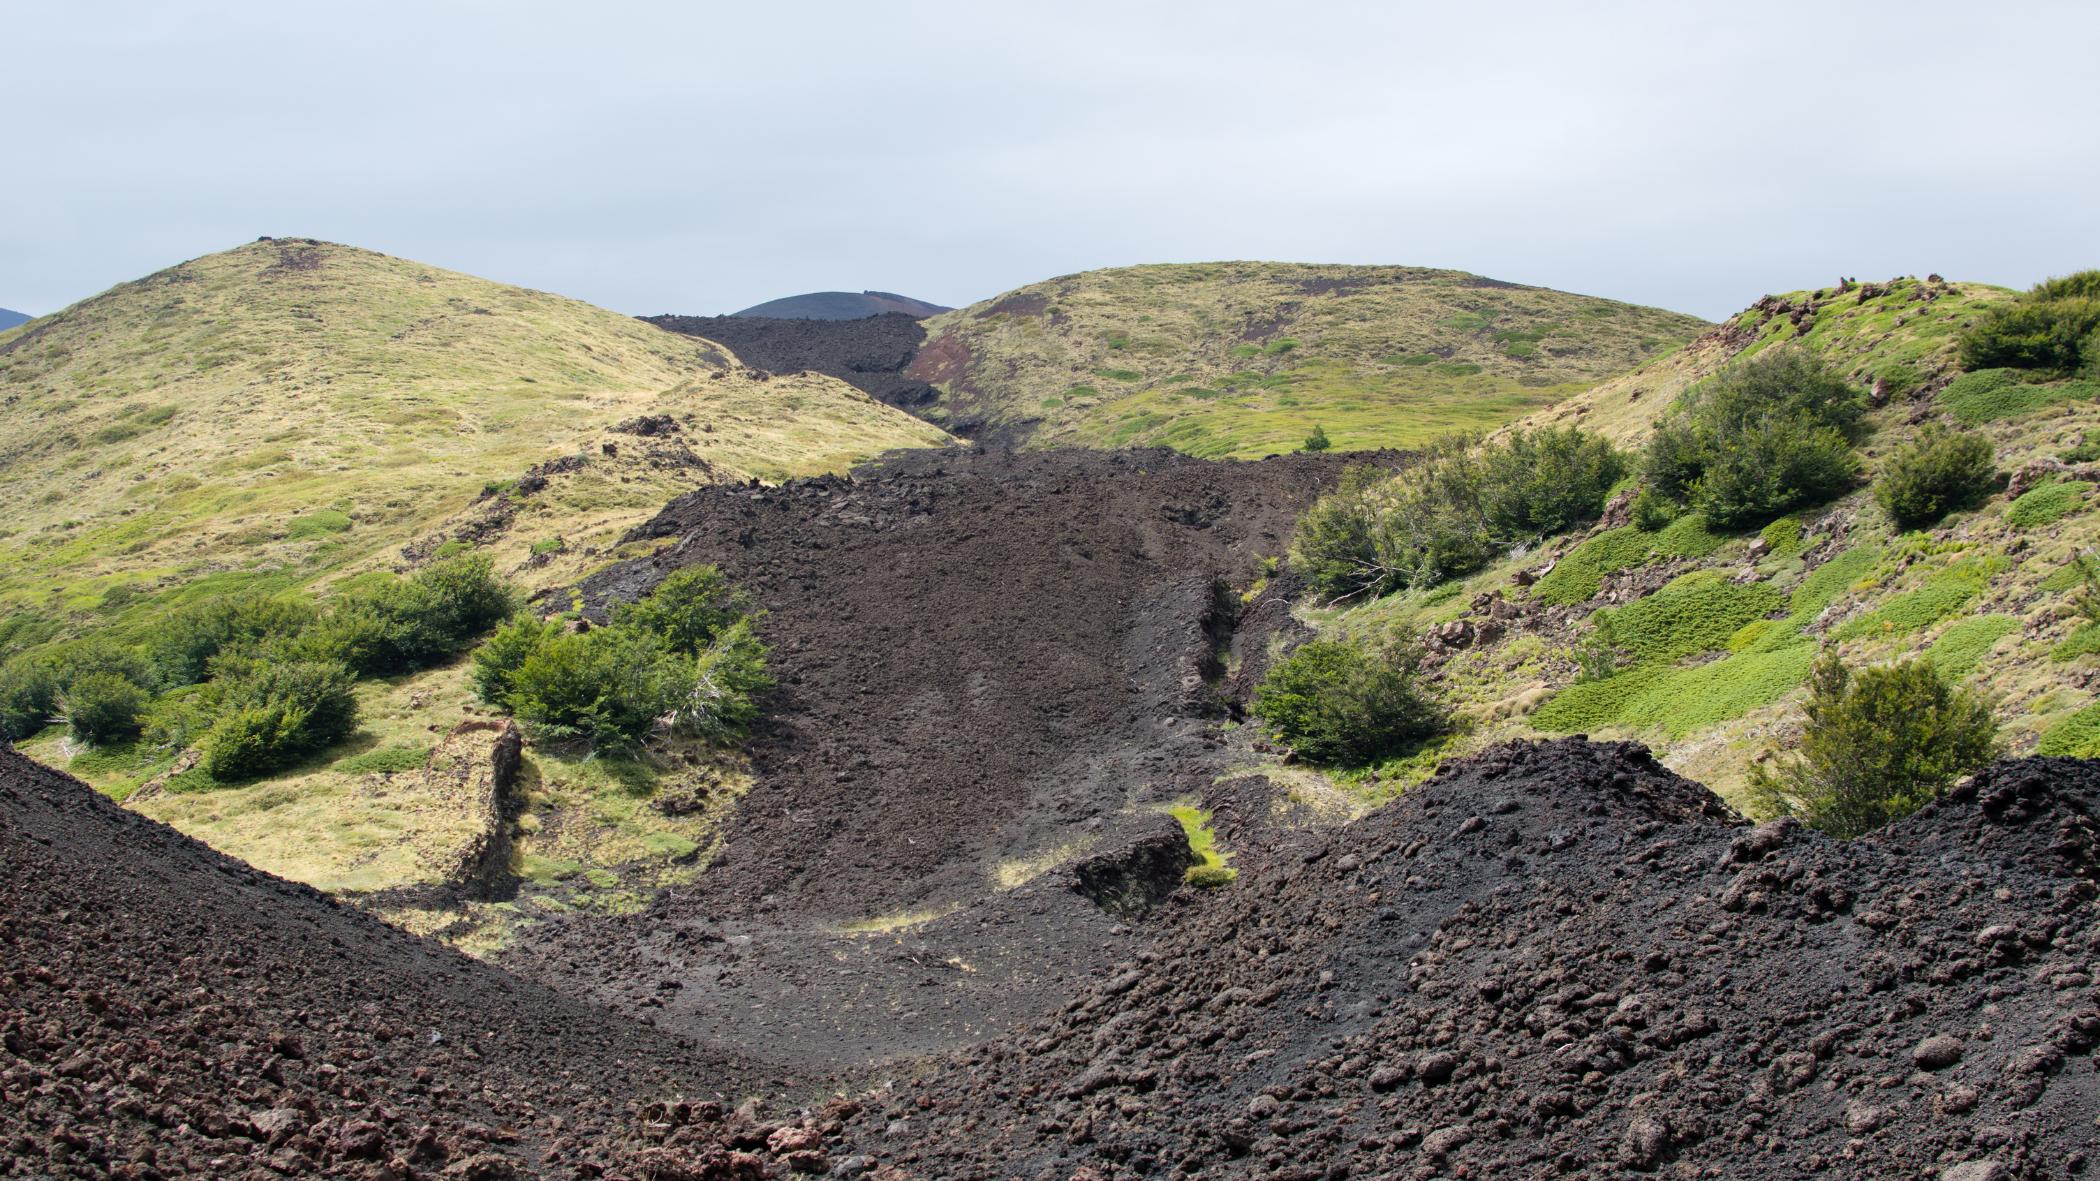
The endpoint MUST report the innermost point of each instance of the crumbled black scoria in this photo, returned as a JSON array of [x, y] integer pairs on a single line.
[[1559, 959]]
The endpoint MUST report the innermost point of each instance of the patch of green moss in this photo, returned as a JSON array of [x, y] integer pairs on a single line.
[[2047, 503], [384, 759], [1593, 705], [1203, 842], [1578, 576], [2077, 736], [1690, 699], [1697, 612], [1990, 394], [1687, 537], [2084, 641], [1783, 537], [1942, 595], [1961, 647]]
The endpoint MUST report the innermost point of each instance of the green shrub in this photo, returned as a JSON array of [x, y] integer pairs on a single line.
[[688, 609], [1546, 481], [1942, 595], [103, 707], [1991, 394], [185, 641], [1453, 511], [2046, 329], [1783, 538], [2047, 503], [1318, 440], [1759, 438], [267, 714], [28, 695], [400, 626], [384, 760], [1880, 744], [1347, 704], [1935, 474], [685, 658]]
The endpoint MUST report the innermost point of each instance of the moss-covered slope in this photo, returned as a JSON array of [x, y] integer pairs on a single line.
[[1243, 359]]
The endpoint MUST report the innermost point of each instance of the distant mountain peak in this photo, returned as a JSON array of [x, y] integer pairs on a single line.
[[841, 305], [9, 319]]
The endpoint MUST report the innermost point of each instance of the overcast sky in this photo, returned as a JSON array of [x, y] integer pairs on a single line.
[[702, 157]]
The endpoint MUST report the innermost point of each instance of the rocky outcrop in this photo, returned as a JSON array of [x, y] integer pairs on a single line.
[[477, 765]]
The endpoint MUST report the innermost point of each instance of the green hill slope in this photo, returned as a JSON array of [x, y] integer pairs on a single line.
[[1725, 626], [1238, 359], [298, 407]]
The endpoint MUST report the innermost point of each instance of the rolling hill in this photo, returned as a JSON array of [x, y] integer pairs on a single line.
[[12, 319], [840, 305], [1241, 359]]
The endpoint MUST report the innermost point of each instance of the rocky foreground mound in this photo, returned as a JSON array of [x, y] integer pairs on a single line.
[[166, 1011], [1562, 960]]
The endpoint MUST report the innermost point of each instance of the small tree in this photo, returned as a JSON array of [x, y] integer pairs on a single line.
[[1348, 704], [1317, 441], [1881, 743], [1936, 473]]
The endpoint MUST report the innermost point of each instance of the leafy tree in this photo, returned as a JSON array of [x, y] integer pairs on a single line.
[[1348, 704], [104, 707], [1881, 743], [1340, 541], [1318, 440], [2054, 328], [1936, 473]]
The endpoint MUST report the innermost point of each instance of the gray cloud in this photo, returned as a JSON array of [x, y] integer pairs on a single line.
[[698, 158]]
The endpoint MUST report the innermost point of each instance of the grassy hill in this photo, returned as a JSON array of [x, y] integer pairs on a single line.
[[296, 408], [295, 413], [1729, 623], [1238, 359]]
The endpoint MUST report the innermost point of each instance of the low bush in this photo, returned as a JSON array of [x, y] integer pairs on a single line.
[[2053, 328], [1880, 744], [2075, 737], [384, 760], [403, 625], [104, 707], [1762, 437], [267, 714], [28, 696], [1347, 704], [184, 642], [1546, 481], [1318, 440], [684, 659], [1935, 474]]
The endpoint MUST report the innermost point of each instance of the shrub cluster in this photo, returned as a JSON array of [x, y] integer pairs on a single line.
[[1935, 474], [256, 681], [1762, 437], [1450, 513], [1348, 704], [685, 659], [2053, 328], [1880, 744]]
